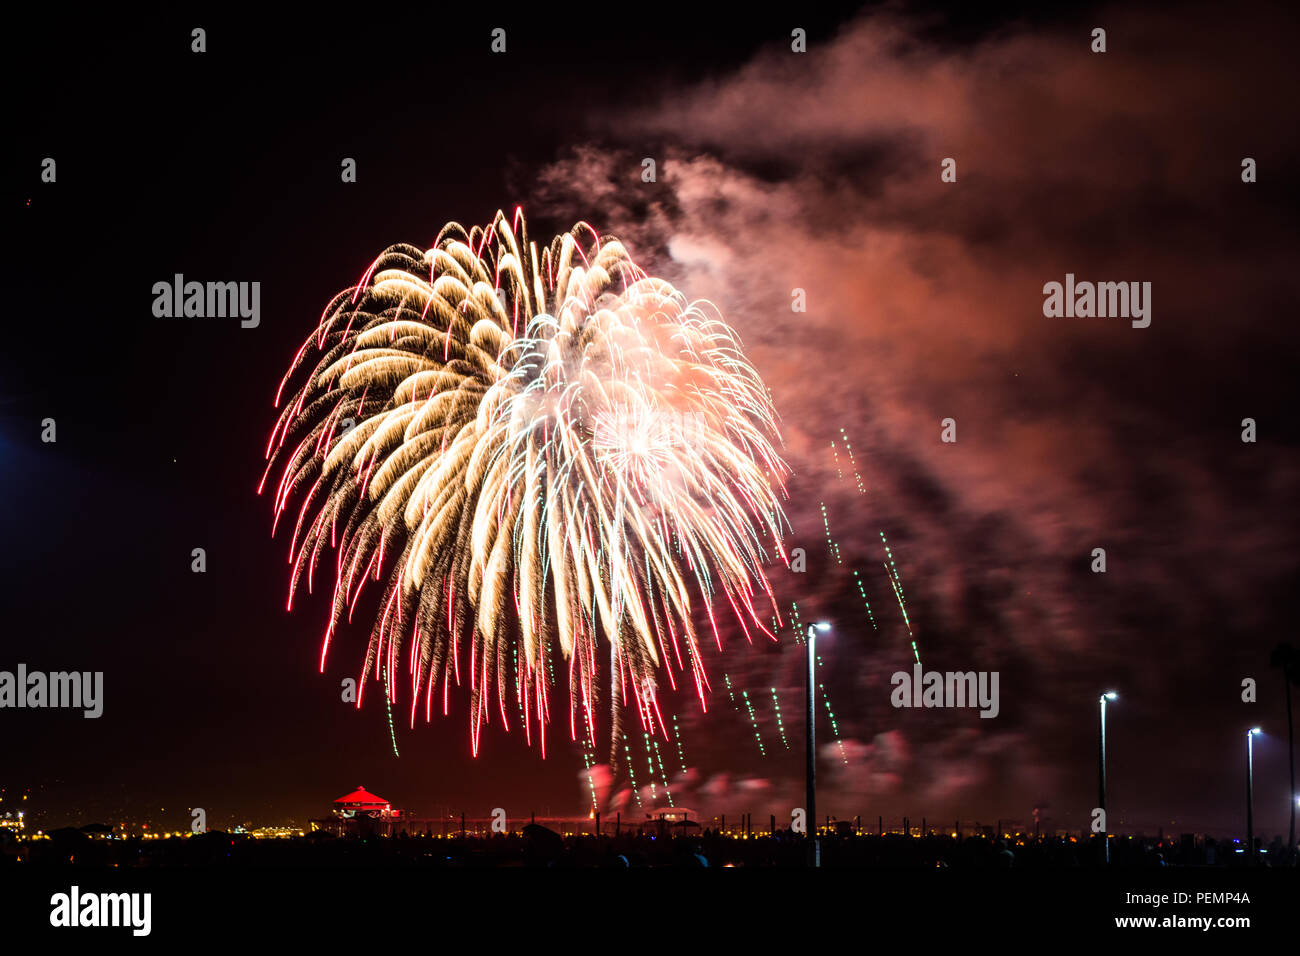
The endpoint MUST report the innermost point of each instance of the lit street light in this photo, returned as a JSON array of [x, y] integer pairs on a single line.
[[1250, 793], [810, 743], [1101, 775]]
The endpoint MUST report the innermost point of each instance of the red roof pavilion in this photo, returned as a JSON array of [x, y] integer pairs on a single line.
[[362, 799]]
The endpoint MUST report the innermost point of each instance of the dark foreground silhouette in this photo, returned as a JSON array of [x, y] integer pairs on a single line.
[[540, 847]]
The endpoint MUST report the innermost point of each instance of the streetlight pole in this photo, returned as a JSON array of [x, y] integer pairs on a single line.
[[810, 746], [1250, 794], [1101, 775]]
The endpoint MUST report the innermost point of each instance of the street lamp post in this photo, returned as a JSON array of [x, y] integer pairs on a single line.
[[1250, 794], [1101, 775], [810, 746]]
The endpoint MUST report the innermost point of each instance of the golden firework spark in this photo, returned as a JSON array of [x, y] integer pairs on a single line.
[[531, 450]]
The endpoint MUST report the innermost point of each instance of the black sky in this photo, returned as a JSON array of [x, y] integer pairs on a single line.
[[225, 166]]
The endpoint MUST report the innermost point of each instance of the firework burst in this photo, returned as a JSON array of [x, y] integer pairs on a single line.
[[533, 452]]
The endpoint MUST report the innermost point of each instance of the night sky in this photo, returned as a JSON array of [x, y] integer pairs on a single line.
[[777, 171]]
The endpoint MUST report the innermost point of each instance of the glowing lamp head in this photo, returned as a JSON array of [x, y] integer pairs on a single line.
[[1254, 731], [1111, 695], [823, 625]]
